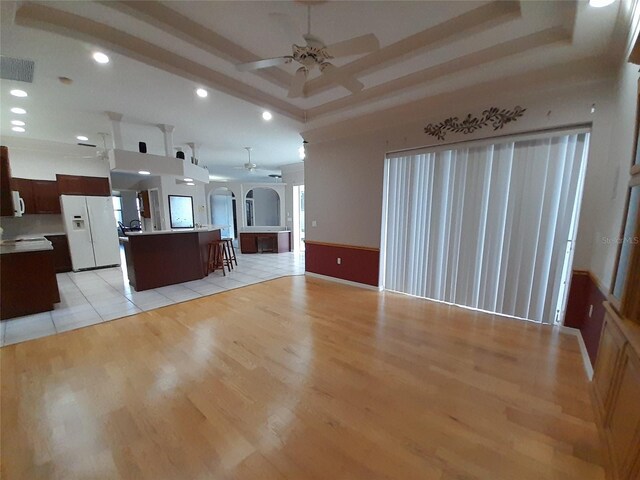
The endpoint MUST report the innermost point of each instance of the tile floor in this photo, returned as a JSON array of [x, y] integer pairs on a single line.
[[95, 296]]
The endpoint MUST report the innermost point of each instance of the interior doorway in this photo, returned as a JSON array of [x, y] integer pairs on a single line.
[[154, 202], [298, 218], [223, 212]]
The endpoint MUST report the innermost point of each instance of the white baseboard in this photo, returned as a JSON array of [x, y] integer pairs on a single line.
[[345, 282], [583, 349]]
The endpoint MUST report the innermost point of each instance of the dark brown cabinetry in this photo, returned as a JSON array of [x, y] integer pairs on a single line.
[[25, 188], [45, 196], [40, 196], [262, 242], [145, 209], [28, 284], [61, 253], [6, 200], [79, 185]]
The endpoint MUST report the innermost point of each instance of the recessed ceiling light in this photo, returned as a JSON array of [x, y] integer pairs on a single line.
[[18, 93], [266, 115], [600, 3], [201, 92], [18, 123], [100, 57], [82, 138], [188, 179], [191, 183], [18, 110], [144, 172], [18, 129]]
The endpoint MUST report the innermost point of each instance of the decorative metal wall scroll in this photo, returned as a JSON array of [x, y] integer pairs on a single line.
[[498, 119]]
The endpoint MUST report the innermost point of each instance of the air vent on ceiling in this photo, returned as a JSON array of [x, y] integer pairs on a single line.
[[16, 69]]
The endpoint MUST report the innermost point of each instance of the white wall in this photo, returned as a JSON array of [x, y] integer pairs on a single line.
[[344, 175], [240, 190], [607, 177], [129, 206], [42, 160], [292, 174], [266, 207], [170, 187]]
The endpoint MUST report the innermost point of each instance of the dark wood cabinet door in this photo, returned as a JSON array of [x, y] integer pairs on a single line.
[[97, 186], [46, 198], [6, 201], [248, 243], [79, 185], [145, 208], [70, 185], [61, 253], [25, 188]]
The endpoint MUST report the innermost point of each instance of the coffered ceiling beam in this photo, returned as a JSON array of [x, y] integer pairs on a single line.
[[474, 59], [84, 29], [455, 29], [519, 86], [159, 15]]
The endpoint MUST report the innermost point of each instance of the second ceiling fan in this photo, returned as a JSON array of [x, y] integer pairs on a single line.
[[317, 54]]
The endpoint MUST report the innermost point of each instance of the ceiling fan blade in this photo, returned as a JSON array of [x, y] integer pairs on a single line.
[[266, 63], [347, 81], [354, 46], [297, 84]]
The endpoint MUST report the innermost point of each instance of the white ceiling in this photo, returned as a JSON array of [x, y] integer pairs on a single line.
[[146, 93]]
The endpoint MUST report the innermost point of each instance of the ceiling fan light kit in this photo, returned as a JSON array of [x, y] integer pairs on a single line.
[[315, 53]]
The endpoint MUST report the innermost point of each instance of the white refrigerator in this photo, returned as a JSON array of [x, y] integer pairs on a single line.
[[91, 231]]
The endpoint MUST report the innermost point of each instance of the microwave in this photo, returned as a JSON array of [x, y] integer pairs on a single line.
[[18, 204]]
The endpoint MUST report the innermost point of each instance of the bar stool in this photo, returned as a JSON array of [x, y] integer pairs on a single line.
[[231, 251], [218, 257]]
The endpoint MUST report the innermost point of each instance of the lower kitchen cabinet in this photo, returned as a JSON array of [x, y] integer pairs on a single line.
[[61, 253]]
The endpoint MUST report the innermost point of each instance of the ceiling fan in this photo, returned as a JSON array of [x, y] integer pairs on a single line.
[[249, 166], [317, 54]]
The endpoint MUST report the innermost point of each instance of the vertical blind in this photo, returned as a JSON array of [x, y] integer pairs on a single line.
[[485, 226]]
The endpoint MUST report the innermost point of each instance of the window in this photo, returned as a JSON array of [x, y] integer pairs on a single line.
[[117, 208], [488, 227]]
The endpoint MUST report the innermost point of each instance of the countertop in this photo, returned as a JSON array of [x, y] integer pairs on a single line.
[[27, 244], [209, 228], [39, 234], [266, 231]]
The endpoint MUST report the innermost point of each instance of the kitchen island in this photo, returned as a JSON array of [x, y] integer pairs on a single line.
[[28, 284], [165, 257]]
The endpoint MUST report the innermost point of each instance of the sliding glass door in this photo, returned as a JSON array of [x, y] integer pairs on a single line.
[[488, 226]]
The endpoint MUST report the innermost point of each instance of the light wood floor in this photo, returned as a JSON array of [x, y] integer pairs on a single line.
[[299, 378]]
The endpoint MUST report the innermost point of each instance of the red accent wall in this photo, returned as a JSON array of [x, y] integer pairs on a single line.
[[357, 265], [583, 293]]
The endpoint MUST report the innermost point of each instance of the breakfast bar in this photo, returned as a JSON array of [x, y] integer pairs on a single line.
[[159, 258]]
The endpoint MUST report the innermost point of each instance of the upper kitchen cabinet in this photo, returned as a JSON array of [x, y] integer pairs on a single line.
[[39, 196], [79, 185], [45, 195], [6, 199], [25, 188]]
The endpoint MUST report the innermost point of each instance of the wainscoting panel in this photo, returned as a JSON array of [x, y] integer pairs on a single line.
[[583, 293], [358, 264]]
